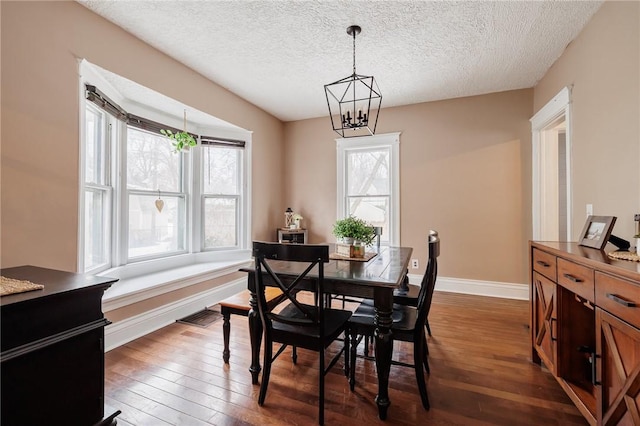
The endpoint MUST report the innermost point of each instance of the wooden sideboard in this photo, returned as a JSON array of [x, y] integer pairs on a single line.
[[585, 328], [52, 350]]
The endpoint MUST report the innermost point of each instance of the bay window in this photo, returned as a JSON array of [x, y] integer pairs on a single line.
[[144, 202]]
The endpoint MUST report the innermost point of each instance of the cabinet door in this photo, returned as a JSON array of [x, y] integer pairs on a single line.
[[618, 345], [544, 320]]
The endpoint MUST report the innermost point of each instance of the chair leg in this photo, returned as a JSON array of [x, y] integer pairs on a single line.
[[347, 353], [321, 386], [352, 368], [226, 331], [418, 357], [426, 322], [425, 355], [266, 371], [366, 345], [294, 354]]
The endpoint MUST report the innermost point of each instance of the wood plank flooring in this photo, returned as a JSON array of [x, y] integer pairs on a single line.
[[480, 375]]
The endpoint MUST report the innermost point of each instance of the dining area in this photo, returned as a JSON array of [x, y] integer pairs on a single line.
[[345, 341], [318, 269], [479, 371]]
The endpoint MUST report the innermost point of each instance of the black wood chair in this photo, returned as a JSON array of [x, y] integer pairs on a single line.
[[406, 295], [312, 327], [408, 323]]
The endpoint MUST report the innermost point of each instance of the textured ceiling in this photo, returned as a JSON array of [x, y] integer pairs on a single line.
[[279, 54]]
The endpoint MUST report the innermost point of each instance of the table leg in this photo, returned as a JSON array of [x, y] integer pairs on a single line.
[[383, 302], [255, 332]]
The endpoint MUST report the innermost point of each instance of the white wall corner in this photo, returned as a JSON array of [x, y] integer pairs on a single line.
[[478, 287], [121, 332]]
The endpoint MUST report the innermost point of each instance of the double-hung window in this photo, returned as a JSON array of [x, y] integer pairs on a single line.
[[156, 196], [222, 201], [368, 182], [98, 189]]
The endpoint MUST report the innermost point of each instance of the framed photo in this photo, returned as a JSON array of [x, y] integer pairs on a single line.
[[596, 231]]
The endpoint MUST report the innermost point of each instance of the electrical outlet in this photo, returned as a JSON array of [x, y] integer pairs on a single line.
[[589, 209], [415, 264]]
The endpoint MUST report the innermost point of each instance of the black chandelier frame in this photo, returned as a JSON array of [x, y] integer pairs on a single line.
[[354, 97]]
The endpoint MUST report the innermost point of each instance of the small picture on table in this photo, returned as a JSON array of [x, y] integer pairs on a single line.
[[596, 231]]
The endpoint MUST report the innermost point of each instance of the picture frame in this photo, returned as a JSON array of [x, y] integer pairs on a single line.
[[596, 231]]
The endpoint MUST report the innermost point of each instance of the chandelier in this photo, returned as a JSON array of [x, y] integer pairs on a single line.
[[352, 100]]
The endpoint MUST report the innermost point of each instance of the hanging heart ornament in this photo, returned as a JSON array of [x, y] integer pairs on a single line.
[[159, 205]]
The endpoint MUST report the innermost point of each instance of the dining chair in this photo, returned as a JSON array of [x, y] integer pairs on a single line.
[[407, 295], [408, 323], [300, 325]]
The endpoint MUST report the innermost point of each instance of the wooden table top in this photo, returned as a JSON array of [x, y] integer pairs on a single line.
[[386, 269]]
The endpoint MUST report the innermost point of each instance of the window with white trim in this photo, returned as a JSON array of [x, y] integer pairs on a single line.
[[156, 196], [221, 193], [98, 189], [368, 182], [143, 202]]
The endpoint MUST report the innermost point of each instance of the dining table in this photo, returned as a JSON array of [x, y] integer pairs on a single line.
[[377, 276]]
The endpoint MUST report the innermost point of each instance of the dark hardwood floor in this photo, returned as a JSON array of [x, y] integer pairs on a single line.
[[480, 375]]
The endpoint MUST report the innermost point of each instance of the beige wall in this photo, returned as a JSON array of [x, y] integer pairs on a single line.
[[464, 172], [466, 163], [41, 45], [603, 66]]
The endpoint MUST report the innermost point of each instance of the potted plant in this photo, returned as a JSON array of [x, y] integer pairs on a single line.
[[355, 234], [181, 140]]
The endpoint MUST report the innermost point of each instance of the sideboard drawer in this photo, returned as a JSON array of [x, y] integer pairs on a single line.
[[619, 297], [544, 263], [577, 278]]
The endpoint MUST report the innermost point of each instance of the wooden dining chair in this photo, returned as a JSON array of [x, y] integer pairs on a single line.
[[300, 325], [408, 323], [408, 296]]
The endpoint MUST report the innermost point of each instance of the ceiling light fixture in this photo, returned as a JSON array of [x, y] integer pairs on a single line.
[[353, 99]]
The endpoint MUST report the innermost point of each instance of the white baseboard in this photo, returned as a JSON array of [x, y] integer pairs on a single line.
[[119, 333], [478, 287], [124, 331]]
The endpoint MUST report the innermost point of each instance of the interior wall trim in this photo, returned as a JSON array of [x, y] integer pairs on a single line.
[[121, 332], [478, 287]]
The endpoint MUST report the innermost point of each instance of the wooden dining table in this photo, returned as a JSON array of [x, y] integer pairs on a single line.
[[376, 279]]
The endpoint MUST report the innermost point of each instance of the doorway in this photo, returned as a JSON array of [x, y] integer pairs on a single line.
[[551, 149]]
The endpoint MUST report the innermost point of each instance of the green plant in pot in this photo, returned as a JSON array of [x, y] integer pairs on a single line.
[[181, 140], [352, 229]]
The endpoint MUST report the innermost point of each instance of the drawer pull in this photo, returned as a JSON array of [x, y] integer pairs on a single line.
[[621, 300], [542, 263], [573, 278]]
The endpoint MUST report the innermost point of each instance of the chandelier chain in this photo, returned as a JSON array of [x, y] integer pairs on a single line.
[[354, 52]]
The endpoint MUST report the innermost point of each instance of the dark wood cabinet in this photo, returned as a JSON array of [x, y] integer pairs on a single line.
[[585, 315], [52, 350]]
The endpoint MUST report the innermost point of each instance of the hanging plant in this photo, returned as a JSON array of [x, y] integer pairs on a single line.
[[180, 140]]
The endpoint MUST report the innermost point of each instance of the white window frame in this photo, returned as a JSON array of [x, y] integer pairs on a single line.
[[126, 193], [386, 140], [120, 266], [239, 197]]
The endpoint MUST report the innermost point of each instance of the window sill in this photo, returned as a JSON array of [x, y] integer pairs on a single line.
[[138, 282]]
